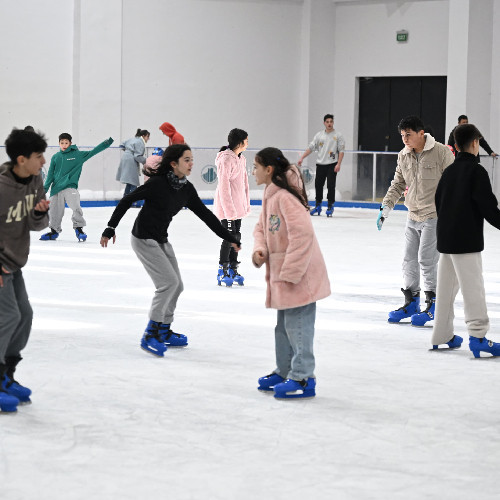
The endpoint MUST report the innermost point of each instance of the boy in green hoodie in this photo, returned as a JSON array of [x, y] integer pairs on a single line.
[[62, 179], [23, 208]]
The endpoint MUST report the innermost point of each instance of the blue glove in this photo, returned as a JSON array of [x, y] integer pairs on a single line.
[[382, 215]]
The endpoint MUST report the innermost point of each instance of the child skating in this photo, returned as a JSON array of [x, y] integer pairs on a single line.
[[296, 273], [23, 208], [464, 199], [166, 193], [231, 201], [62, 180]]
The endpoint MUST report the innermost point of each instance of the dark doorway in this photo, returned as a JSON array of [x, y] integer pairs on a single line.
[[383, 101]]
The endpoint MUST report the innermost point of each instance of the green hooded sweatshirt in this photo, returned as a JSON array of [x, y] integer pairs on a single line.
[[66, 167]]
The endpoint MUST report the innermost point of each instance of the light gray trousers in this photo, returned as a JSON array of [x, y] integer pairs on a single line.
[[464, 272], [70, 196], [421, 255], [16, 315], [294, 336], [160, 263]]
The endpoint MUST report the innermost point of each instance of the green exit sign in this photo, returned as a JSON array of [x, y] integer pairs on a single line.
[[402, 36]]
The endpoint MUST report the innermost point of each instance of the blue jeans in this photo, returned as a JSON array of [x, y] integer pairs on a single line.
[[294, 335]]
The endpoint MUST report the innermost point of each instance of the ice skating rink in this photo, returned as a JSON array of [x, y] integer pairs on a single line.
[[391, 419]]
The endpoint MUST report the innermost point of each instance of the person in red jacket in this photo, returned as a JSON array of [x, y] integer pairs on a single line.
[[173, 136]]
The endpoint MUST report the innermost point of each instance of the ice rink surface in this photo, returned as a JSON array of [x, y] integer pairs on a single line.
[[391, 419]]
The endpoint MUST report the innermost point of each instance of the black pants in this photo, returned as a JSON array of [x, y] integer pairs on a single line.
[[325, 172], [227, 253]]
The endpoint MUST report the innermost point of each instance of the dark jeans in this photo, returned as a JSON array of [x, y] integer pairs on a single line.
[[129, 188], [325, 172], [227, 253]]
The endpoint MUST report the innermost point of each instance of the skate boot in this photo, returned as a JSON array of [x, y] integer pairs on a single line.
[[329, 211], [10, 385], [316, 210], [410, 307], [268, 382], [151, 340], [8, 403], [477, 346], [293, 389], [52, 235], [170, 338], [223, 276], [454, 343], [80, 234], [235, 275], [420, 319]]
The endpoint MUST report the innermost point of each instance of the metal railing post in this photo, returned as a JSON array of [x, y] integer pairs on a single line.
[[374, 179]]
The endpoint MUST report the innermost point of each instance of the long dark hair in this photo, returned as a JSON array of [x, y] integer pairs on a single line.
[[172, 153], [274, 157], [141, 133], [234, 139]]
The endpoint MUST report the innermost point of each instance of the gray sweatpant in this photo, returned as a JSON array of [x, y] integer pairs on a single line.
[[70, 196], [420, 255], [16, 315], [464, 272], [160, 263]]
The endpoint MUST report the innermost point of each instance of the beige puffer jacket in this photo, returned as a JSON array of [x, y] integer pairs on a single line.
[[421, 177]]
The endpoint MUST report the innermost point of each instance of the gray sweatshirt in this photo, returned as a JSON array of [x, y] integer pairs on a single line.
[[17, 217]]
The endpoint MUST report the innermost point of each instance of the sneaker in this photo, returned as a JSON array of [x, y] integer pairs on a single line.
[[454, 343], [477, 346], [409, 308], [268, 382], [14, 388], [421, 318], [294, 389], [80, 234], [316, 210], [52, 235]]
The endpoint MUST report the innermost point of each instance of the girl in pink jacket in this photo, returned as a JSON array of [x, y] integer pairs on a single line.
[[231, 201], [295, 273]]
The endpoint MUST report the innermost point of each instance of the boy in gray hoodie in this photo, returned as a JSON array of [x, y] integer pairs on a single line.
[[23, 208]]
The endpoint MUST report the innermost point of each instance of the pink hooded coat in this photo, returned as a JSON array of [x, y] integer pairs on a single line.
[[232, 196], [296, 273]]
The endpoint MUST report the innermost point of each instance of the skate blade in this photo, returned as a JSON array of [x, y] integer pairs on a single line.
[[422, 326], [176, 345], [295, 396], [444, 349], [399, 322], [154, 353], [264, 389]]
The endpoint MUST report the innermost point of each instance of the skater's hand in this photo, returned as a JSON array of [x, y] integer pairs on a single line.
[[299, 163], [258, 258], [4, 271], [337, 168], [42, 206], [382, 215], [236, 247], [104, 240]]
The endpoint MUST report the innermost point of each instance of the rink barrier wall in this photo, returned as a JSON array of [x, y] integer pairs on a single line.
[[364, 177]]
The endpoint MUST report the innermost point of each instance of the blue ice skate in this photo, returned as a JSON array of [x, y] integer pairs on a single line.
[[52, 235], [235, 275], [151, 340], [316, 210], [8, 403], [329, 211], [223, 276], [409, 308], [268, 382], [80, 234], [454, 343], [477, 346], [291, 389], [170, 338], [420, 319], [14, 388]]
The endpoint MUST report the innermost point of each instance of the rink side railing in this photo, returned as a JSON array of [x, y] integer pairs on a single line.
[[362, 181]]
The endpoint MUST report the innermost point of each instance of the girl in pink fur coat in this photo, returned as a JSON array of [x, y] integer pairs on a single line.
[[231, 201], [296, 273]]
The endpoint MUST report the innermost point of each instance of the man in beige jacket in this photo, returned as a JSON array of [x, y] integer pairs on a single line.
[[420, 166]]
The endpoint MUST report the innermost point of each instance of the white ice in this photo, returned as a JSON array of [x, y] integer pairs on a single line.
[[391, 420]]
